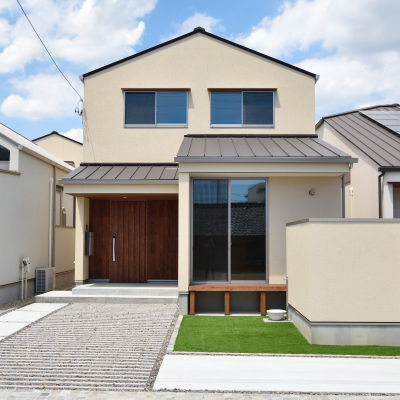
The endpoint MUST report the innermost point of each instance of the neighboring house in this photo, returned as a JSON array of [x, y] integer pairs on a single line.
[[372, 135], [66, 149], [37, 219], [227, 131]]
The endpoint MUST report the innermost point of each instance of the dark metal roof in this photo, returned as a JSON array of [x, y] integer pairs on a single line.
[[263, 148], [377, 141], [202, 31], [57, 134], [123, 174]]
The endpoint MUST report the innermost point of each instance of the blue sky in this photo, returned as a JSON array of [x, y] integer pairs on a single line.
[[354, 46]]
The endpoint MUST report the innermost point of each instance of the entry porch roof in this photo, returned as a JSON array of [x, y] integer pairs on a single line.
[[259, 148], [94, 173]]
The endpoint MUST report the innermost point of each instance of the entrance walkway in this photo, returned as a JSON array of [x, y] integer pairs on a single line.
[[89, 346], [116, 293], [279, 374]]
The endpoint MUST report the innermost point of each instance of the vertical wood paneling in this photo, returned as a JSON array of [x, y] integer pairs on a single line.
[[99, 223], [128, 223], [162, 239]]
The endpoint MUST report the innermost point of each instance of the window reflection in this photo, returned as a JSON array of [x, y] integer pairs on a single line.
[[210, 230], [248, 230]]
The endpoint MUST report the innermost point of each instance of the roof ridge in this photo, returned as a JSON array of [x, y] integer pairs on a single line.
[[361, 109], [202, 31]]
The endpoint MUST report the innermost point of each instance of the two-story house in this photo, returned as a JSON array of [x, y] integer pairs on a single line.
[[197, 153]]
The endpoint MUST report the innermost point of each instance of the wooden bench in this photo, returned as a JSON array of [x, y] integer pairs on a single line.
[[262, 288]]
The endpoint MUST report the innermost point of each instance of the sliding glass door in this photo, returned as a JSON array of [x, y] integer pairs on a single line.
[[210, 230], [229, 230]]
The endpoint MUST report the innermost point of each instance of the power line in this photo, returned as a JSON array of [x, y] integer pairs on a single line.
[[48, 51]]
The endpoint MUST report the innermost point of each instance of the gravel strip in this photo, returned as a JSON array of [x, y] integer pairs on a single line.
[[19, 394], [89, 347]]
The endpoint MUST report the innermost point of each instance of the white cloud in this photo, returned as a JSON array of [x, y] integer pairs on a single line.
[[75, 134], [209, 23], [353, 45], [89, 33], [41, 96]]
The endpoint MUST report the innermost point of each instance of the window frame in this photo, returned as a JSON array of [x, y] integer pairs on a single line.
[[155, 125], [241, 125], [229, 281]]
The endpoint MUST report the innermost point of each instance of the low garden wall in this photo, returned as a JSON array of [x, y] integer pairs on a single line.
[[344, 280]]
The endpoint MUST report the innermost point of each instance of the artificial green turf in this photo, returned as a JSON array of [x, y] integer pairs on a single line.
[[253, 335]]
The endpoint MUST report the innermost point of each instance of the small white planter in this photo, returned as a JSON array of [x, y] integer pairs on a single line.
[[276, 315]]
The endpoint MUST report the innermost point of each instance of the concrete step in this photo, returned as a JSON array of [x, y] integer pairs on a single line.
[[128, 289], [56, 296]]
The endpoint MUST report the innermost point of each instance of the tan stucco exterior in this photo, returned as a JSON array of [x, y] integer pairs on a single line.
[[362, 200], [63, 148], [24, 228], [197, 63], [288, 200], [344, 271]]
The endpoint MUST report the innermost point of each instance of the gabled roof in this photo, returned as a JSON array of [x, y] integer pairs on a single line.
[[54, 133], [31, 148], [259, 148], [374, 137], [202, 31]]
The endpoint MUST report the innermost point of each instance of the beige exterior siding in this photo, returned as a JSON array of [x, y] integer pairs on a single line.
[[24, 216], [198, 62], [364, 176], [345, 271], [289, 200], [62, 148]]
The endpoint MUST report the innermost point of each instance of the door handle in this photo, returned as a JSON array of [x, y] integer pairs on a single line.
[[114, 247]]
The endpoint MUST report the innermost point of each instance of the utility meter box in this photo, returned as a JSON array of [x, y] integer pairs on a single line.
[[89, 243]]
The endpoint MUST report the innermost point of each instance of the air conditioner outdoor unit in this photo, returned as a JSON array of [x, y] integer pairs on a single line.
[[44, 280]]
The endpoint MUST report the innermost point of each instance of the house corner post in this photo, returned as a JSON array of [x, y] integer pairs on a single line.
[[82, 221], [184, 243]]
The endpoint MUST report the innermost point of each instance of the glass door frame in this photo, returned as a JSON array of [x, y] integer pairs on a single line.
[[229, 280]]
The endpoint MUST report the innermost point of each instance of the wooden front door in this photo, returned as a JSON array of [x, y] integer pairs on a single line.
[[128, 236]]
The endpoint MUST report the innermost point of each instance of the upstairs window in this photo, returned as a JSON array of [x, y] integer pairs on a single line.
[[242, 109], [147, 109], [4, 158]]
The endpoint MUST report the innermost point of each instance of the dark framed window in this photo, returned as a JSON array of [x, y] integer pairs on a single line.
[[4, 154], [242, 108], [155, 109], [229, 228]]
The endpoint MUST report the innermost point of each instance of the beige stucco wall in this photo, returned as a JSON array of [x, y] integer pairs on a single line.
[[364, 176], [198, 62], [64, 252], [62, 148], [288, 200], [81, 220], [345, 271], [24, 216]]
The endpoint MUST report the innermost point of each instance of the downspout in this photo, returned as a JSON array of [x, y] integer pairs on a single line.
[[54, 221], [51, 180], [380, 192], [343, 196]]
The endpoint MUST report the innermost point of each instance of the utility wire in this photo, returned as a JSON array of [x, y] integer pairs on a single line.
[[48, 51]]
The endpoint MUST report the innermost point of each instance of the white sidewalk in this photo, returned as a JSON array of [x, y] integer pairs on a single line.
[[282, 374], [16, 320]]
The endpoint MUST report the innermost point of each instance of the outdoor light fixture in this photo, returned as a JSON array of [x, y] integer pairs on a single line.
[[311, 192]]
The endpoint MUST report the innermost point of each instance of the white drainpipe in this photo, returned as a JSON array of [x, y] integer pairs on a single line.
[[50, 219]]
